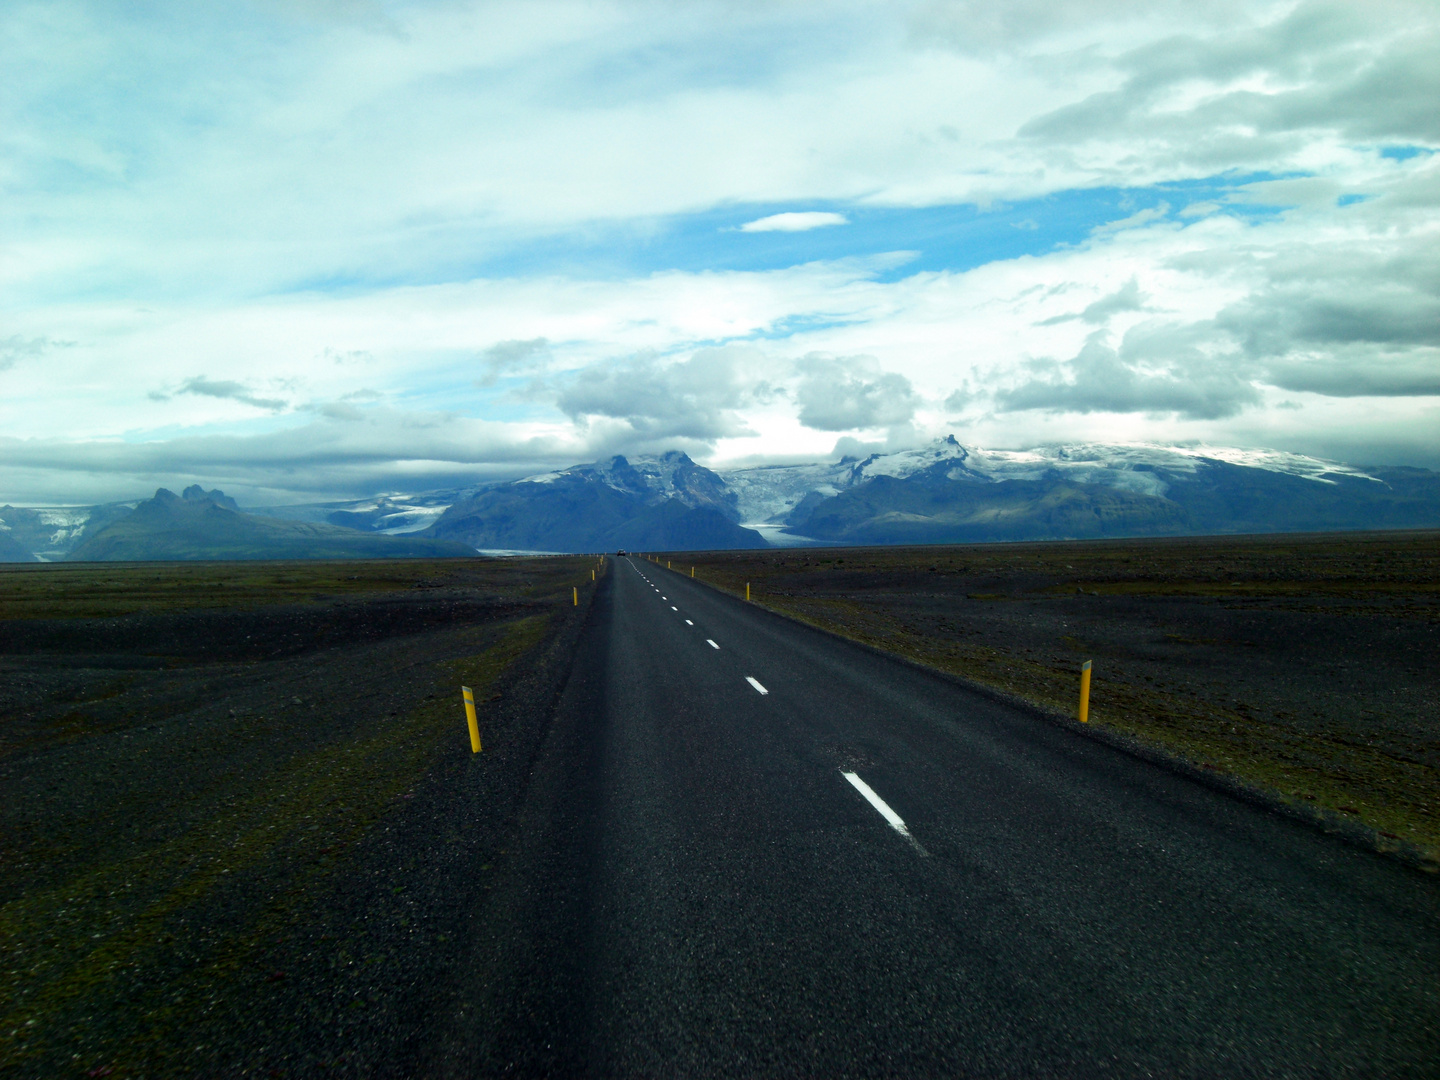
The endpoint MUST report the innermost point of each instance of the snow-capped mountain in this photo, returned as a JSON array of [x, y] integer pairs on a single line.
[[946, 493], [943, 492], [653, 480], [1139, 466], [668, 502], [940, 493], [768, 495]]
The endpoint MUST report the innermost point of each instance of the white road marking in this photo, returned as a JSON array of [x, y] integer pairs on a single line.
[[885, 811], [689, 623], [711, 643], [756, 684], [674, 608]]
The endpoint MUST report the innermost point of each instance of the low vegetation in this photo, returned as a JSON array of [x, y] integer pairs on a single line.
[[199, 762]]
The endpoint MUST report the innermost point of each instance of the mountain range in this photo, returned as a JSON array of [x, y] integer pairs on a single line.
[[666, 503], [940, 493], [946, 493], [209, 525]]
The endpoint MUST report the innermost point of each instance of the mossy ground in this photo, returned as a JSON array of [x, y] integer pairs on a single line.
[[107, 590], [153, 860], [1303, 664]]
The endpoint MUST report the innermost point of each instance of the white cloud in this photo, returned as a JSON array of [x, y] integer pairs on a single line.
[[795, 221], [698, 398], [849, 393], [1100, 378], [512, 358], [206, 269]]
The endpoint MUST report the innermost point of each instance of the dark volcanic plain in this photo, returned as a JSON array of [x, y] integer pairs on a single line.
[[242, 829], [242, 832], [1305, 665]]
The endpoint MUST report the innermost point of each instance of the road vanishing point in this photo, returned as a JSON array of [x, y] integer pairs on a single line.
[[752, 849]]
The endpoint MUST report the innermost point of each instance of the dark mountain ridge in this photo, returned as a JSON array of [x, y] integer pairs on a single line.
[[667, 503], [11, 550], [942, 492], [209, 525], [946, 503]]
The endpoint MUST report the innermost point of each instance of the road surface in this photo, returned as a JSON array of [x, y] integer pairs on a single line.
[[752, 849]]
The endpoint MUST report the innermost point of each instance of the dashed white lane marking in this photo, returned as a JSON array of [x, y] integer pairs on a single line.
[[885, 811], [756, 684], [711, 643], [663, 597], [674, 608], [689, 623]]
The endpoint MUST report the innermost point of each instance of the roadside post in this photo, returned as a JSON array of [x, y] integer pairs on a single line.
[[1085, 692], [692, 571], [470, 719], [575, 590], [747, 590]]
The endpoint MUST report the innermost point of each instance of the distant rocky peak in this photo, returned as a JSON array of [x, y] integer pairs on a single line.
[[659, 478], [619, 474], [195, 493], [660, 471]]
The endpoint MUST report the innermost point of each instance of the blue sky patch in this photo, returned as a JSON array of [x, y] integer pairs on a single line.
[[956, 237]]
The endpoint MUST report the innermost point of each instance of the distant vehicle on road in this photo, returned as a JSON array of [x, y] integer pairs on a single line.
[[620, 552]]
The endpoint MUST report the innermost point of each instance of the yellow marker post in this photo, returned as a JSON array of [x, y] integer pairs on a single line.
[[1085, 692], [470, 719], [576, 590], [592, 575], [667, 564], [747, 590], [692, 571]]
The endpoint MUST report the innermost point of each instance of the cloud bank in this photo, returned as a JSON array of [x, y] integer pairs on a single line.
[[405, 243]]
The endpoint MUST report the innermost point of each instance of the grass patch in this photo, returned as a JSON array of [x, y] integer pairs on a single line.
[[107, 590]]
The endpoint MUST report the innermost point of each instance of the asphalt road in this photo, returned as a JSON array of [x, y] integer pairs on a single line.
[[752, 849]]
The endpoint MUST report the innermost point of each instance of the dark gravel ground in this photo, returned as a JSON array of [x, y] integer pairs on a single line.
[[242, 834], [249, 838], [1303, 665]]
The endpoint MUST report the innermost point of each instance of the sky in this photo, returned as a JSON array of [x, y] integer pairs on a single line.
[[321, 249]]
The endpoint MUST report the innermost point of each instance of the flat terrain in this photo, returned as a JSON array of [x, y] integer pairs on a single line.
[[703, 889], [1309, 665], [241, 822], [245, 836]]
